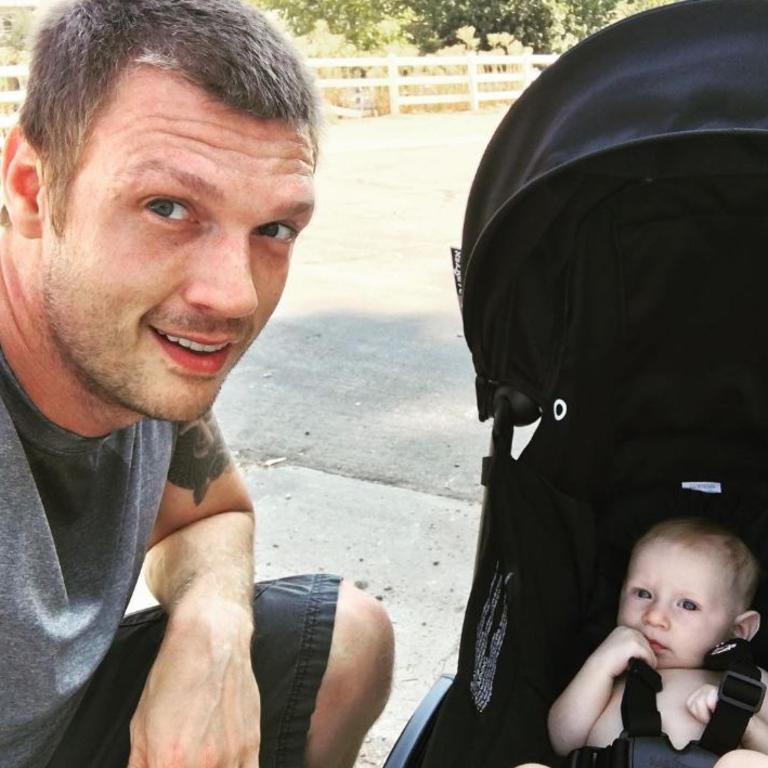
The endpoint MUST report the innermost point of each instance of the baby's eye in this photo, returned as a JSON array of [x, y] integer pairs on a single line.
[[168, 209], [688, 605], [642, 593]]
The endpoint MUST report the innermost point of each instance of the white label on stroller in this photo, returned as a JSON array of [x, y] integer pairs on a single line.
[[560, 408], [703, 487]]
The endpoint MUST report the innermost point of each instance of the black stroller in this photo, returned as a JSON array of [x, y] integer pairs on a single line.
[[614, 279]]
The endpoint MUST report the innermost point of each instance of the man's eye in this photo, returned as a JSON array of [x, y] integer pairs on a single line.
[[643, 594], [688, 605], [277, 230], [168, 209]]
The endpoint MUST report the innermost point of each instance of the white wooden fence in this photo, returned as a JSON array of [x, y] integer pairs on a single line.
[[417, 80], [12, 92], [354, 86]]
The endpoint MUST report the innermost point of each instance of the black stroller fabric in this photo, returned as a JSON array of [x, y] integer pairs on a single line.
[[614, 269]]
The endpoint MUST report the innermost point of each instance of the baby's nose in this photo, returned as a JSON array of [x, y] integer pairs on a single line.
[[656, 616]]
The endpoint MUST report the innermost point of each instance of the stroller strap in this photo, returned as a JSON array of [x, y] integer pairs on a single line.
[[739, 696], [638, 705]]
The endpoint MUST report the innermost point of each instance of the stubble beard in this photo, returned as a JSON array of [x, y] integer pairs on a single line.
[[86, 338]]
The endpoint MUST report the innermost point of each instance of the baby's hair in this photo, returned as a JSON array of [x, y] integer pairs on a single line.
[[695, 531]]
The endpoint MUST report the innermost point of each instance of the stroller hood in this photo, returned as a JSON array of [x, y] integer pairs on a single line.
[[674, 93]]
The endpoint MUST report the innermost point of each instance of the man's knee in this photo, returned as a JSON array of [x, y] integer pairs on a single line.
[[362, 650], [356, 683]]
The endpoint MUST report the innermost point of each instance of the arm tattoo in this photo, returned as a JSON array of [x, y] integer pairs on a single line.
[[200, 456]]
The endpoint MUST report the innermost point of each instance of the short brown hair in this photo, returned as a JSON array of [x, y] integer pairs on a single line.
[[695, 532], [84, 46]]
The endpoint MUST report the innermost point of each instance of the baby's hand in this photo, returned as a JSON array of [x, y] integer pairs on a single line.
[[702, 702], [614, 653]]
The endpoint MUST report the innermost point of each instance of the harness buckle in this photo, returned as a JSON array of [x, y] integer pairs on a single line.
[[745, 692]]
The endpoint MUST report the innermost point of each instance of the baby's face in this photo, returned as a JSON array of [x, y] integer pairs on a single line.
[[680, 599]]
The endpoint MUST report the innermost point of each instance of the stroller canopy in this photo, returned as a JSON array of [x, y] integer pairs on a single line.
[[614, 250]]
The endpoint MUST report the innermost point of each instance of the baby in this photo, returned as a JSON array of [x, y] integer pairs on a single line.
[[688, 587]]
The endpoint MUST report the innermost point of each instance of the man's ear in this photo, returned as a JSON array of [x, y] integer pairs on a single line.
[[22, 185], [746, 625]]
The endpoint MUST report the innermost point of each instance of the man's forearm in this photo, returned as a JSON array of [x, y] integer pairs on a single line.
[[207, 562], [201, 700]]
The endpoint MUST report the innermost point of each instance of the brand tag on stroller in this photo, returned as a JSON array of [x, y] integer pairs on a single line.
[[457, 276], [703, 487]]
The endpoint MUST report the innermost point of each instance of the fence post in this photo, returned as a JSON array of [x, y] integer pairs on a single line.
[[529, 71], [393, 73], [474, 99]]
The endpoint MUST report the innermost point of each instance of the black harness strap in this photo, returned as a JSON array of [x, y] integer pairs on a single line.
[[740, 696], [638, 705]]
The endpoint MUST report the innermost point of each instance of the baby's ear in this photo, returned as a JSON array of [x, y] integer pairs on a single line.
[[746, 625]]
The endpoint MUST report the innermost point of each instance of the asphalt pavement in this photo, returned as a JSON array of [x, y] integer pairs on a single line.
[[353, 415]]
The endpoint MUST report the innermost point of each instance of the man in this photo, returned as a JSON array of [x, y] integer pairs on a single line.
[[160, 174]]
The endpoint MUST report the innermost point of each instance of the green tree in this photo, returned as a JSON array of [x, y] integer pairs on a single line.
[[364, 24], [626, 8], [583, 17], [437, 21]]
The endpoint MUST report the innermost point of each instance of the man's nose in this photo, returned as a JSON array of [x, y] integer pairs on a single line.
[[220, 278], [655, 616]]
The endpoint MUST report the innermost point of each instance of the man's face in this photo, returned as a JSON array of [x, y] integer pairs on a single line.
[[680, 599], [179, 229]]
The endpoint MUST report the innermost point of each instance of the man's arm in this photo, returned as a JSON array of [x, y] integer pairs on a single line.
[[575, 712], [204, 525], [201, 700]]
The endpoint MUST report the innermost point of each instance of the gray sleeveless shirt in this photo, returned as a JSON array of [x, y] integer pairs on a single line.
[[75, 517]]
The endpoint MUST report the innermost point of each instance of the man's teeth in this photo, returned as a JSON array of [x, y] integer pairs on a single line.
[[193, 345]]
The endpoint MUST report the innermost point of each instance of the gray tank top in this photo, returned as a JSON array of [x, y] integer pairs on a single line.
[[75, 517]]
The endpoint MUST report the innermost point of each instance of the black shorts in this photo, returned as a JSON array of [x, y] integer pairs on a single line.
[[294, 624]]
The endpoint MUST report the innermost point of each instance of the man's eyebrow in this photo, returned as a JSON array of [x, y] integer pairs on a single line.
[[200, 185], [185, 178]]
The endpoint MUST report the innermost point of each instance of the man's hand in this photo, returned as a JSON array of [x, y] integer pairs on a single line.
[[613, 654], [702, 702], [200, 707]]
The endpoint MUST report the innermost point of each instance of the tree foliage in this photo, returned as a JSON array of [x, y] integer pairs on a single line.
[[430, 25], [436, 21], [626, 8], [366, 25]]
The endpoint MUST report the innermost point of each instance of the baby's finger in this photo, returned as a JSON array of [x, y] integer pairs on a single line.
[[646, 652], [697, 704], [711, 699]]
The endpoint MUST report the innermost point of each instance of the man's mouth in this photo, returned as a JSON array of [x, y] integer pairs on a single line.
[[656, 646], [193, 345], [195, 356]]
